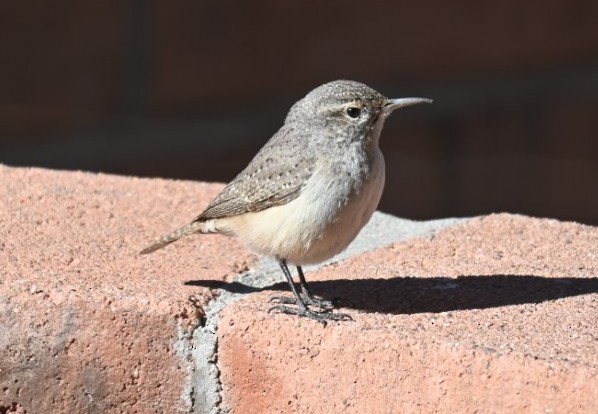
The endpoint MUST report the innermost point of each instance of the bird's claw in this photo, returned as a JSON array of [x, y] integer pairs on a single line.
[[323, 317], [324, 305]]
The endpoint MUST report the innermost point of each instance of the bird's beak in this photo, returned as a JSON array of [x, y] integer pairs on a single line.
[[393, 104]]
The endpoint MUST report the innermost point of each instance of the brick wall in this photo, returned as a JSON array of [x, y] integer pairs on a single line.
[[193, 89]]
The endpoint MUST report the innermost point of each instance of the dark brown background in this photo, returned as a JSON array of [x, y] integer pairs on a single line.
[[192, 89]]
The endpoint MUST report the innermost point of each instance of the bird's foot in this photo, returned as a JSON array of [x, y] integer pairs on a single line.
[[322, 317], [324, 305]]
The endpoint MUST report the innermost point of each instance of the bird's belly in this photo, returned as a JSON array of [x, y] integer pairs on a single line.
[[317, 225], [349, 221]]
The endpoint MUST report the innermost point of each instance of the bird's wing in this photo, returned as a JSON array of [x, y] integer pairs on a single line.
[[274, 177]]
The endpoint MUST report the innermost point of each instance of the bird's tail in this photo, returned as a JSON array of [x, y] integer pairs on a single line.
[[194, 227]]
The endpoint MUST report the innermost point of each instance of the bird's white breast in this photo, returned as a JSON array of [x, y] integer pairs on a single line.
[[320, 223]]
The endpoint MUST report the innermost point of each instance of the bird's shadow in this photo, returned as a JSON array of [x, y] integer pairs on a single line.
[[409, 295]]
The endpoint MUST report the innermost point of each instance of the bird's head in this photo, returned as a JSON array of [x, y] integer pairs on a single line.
[[346, 111]]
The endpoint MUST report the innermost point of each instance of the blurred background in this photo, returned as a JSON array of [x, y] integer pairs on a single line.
[[192, 89]]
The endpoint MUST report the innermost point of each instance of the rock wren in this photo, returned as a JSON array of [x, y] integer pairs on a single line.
[[308, 192]]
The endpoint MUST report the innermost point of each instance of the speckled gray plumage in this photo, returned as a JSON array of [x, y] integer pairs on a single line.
[[275, 176], [315, 183], [282, 167]]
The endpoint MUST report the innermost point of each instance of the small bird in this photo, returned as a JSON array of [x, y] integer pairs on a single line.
[[309, 191]]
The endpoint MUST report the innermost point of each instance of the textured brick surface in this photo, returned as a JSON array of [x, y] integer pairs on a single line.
[[497, 315], [494, 315], [87, 325]]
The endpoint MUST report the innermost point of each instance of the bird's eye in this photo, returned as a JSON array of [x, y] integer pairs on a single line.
[[353, 112]]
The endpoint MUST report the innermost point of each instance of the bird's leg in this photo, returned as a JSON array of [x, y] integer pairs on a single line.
[[310, 298], [299, 299], [306, 295], [302, 309]]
